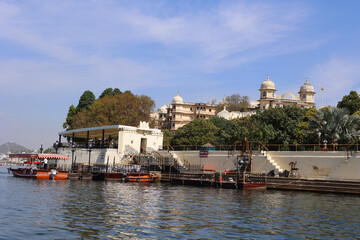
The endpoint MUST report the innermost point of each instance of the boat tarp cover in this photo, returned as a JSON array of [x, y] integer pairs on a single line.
[[38, 156]]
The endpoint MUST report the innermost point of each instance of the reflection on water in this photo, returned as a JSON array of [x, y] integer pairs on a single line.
[[45, 209]]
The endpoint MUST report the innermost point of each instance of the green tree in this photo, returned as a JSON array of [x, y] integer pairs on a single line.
[[253, 130], [86, 100], [235, 102], [197, 132], [125, 109], [350, 102], [303, 133], [68, 122], [110, 92], [284, 121], [167, 137], [335, 125], [117, 91], [225, 133], [107, 92]]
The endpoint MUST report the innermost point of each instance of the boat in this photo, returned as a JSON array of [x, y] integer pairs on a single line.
[[35, 161], [140, 177]]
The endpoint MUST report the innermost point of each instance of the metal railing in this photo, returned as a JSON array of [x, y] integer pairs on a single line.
[[258, 146]]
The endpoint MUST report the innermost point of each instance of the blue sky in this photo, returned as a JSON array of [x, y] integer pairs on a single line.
[[52, 51]]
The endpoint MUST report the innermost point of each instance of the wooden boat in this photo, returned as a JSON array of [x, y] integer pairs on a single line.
[[140, 177], [33, 172]]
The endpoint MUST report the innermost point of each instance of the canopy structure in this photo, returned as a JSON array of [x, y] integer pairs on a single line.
[[38, 156], [96, 132], [208, 147]]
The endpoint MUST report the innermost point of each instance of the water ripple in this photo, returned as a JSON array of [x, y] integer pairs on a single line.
[[111, 210]]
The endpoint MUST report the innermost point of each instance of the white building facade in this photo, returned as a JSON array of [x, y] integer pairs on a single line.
[[110, 143]]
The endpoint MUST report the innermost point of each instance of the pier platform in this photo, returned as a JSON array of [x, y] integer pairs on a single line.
[[317, 185]]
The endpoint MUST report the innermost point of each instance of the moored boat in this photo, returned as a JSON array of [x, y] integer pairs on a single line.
[[34, 171], [140, 177]]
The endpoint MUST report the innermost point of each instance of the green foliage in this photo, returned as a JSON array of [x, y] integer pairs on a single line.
[[197, 132], [125, 108], [284, 121], [68, 122], [167, 137], [110, 92], [86, 100], [303, 134], [253, 130], [235, 102], [225, 132], [335, 125], [350, 102]]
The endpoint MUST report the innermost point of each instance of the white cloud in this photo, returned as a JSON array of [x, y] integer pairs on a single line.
[[338, 76]]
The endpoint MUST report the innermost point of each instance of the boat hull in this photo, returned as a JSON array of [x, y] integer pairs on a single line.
[[39, 174], [145, 177]]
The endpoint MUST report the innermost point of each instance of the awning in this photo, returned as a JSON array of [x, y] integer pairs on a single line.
[[38, 156]]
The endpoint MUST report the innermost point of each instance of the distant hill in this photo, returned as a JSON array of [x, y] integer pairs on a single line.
[[10, 146]]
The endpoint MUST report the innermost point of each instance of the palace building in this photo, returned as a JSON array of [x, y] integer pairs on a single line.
[[178, 113], [268, 98]]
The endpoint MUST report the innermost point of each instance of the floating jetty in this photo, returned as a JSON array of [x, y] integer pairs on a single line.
[[316, 185], [219, 180], [256, 181]]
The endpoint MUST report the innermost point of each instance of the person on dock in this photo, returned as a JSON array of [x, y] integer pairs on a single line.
[[45, 163]]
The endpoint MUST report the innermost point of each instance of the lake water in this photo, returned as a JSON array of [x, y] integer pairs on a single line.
[[43, 209]]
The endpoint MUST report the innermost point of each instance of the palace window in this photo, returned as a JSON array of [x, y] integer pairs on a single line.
[[264, 94], [210, 110]]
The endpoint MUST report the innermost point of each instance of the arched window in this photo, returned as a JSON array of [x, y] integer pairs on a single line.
[[264, 94]]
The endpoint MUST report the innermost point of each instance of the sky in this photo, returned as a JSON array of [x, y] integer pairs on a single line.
[[52, 51]]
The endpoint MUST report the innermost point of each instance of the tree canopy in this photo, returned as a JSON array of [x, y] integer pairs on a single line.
[[86, 100], [110, 92], [197, 132], [350, 102], [235, 102], [125, 109], [273, 125], [335, 125]]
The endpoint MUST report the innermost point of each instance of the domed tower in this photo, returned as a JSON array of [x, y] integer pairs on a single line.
[[177, 100], [307, 94], [162, 111], [267, 93], [176, 113]]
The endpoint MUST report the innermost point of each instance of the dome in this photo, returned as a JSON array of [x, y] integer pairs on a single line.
[[177, 100], [267, 84], [224, 114], [307, 87], [163, 109]]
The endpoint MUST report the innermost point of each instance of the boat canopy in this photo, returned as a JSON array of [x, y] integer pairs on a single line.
[[38, 156]]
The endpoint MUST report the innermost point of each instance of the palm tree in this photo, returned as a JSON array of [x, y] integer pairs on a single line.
[[335, 125]]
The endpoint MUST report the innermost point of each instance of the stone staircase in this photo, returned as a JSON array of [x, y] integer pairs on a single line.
[[268, 158]]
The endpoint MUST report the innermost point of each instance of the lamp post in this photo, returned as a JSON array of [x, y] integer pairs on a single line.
[[41, 148], [89, 149], [319, 135], [56, 146], [73, 149]]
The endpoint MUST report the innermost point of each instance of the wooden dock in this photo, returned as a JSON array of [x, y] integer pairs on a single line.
[[277, 183], [316, 185], [213, 180]]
